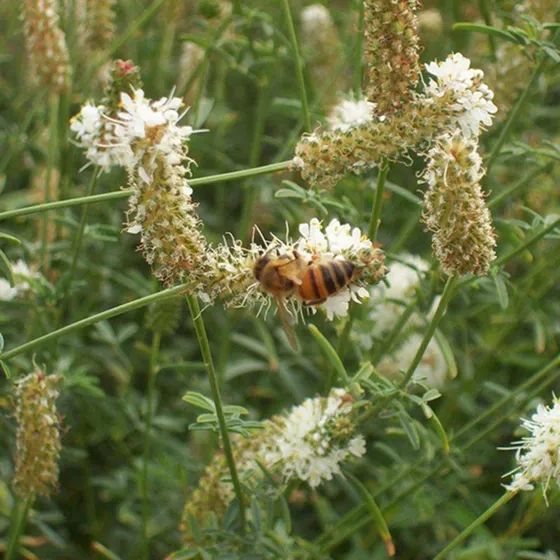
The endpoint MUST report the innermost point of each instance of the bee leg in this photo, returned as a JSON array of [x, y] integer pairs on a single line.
[[315, 301]]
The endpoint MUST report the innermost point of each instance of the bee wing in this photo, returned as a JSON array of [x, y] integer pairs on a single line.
[[286, 325]]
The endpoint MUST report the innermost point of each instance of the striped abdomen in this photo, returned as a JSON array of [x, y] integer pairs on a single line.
[[325, 279]]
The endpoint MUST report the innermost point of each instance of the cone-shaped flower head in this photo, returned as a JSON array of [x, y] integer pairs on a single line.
[[46, 43], [454, 208], [391, 52], [38, 435]]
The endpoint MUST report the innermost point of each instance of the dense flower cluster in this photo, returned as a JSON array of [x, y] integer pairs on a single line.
[[22, 275], [309, 443], [538, 454], [349, 113], [471, 107], [455, 99], [391, 52], [315, 438], [454, 207], [46, 43], [38, 435], [234, 266]]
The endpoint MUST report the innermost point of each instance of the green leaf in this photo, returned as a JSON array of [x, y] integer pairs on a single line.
[[448, 353], [5, 369], [487, 29], [1, 343], [501, 290], [9, 237], [6, 267], [199, 400]]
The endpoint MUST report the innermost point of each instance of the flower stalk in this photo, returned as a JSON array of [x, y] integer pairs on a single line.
[[204, 344]]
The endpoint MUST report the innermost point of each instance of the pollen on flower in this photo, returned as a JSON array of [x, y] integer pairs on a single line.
[[538, 454], [38, 435]]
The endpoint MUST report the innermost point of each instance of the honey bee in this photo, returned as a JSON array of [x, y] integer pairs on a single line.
[[312, 282]]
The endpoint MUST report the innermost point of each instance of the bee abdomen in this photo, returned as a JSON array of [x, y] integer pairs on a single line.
[[324, 280], [260, 265]]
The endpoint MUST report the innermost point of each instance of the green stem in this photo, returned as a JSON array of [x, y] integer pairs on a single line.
[[129, 32], [17, 526], [514, 114], [299, 65], [153, 369], [358, 53], [194, 308], [254, 156], [54, 101], [497, 199], [80, 233], [533, 239], [378, 201], [441, 308], [475, 524], [125, 193], [92, 319]]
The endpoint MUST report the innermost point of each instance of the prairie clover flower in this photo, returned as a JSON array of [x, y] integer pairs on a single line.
[[22, 275], [321, 45], [46, 44], [316, 437], [456, 99], [538, 454], [471, 106], [309, 443], [454, 209], [391, 52], [38, 435], [235, 279], [349, 113]]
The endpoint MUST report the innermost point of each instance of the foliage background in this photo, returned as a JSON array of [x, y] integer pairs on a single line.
[[500, 329]]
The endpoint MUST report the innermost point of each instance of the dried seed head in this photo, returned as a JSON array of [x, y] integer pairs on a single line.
[[38, 435], [391, 52], [454, 209], [46, 44]]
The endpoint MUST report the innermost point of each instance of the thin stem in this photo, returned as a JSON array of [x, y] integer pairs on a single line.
[[153, 369], [254, 155], [17, 526], [475, 524], [125, 193], [497, 199], [358, 54], [514, 114], [92, 319], [378, 201], [194, 308], [80, 232], [441, 308], [54, 101], [299, 65], [533, 239]]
